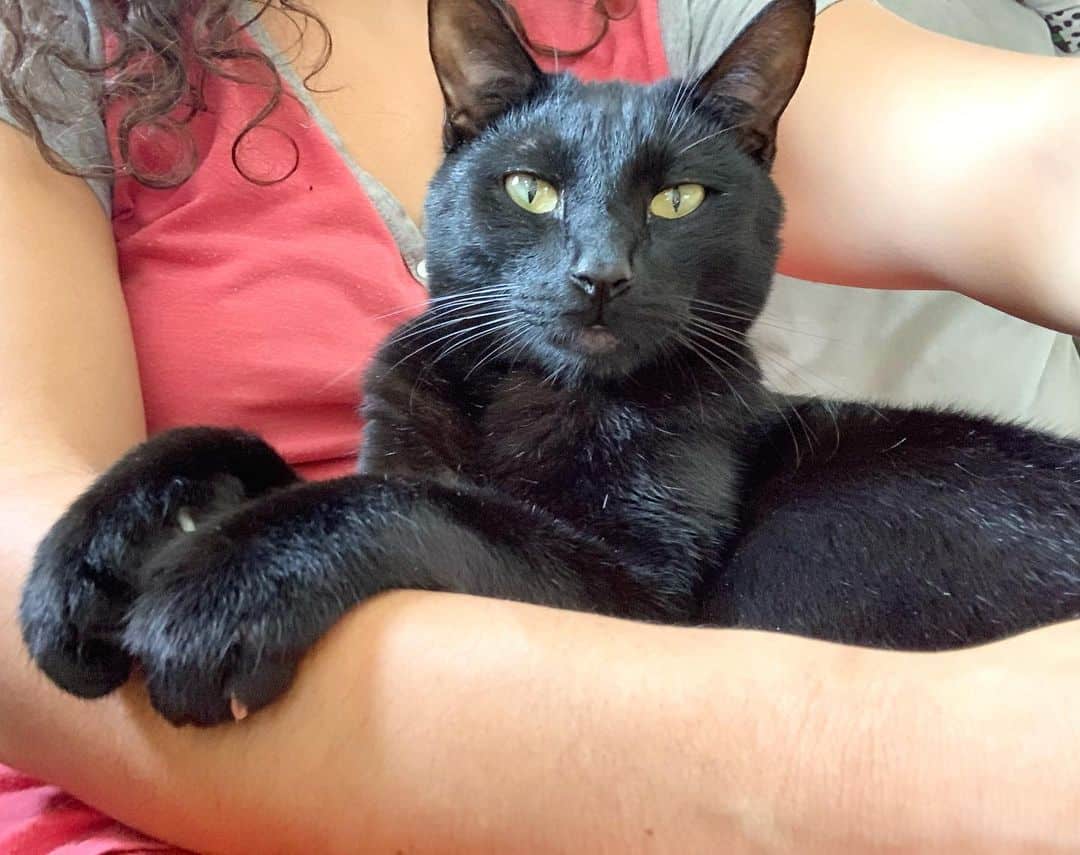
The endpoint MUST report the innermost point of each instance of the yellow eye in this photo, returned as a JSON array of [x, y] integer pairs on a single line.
[[678, 201], [533, 194]]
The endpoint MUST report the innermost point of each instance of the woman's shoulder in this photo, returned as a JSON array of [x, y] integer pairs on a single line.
[[44, 90]]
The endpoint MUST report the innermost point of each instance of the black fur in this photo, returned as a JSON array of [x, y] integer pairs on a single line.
[[613, 452]]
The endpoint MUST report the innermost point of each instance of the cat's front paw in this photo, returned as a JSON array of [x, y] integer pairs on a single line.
[[219, 632], [90, 566]]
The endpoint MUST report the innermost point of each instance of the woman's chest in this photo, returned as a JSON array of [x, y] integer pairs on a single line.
[[259, 288], [376, 87]]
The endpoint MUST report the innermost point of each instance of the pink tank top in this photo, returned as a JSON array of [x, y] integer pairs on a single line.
[[259, 306]]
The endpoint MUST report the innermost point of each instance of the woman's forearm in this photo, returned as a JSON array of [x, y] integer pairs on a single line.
[[432, 722], [912, 160], [490, 726], [440, 723], [435, 723]]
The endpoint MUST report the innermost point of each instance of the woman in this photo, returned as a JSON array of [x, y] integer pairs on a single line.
[[251, 290]]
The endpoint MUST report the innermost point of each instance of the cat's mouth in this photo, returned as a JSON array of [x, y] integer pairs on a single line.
[[589, 333], [601, 346], [596, 340]]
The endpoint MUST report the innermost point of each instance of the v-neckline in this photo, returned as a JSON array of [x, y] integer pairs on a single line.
[[406, 232]]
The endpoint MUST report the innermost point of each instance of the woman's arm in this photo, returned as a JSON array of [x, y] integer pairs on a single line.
[[909, 159], [69, 401], [435, 723]]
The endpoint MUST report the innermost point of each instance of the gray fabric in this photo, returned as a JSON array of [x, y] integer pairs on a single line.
[[995, 23], [84, 143], [697, 31]]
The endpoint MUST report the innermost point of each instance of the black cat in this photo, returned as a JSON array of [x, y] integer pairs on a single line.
[[576, 420]]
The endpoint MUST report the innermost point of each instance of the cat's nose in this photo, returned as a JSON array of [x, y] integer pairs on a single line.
[[602, 283]]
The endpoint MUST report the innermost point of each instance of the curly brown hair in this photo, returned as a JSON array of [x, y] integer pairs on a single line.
[[161, 52]]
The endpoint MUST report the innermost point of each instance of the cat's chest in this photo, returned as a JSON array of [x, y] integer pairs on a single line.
[[615, 468], [537, 439]]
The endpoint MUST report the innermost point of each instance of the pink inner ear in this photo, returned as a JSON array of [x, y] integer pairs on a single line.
[[480, 62], [762, 68]]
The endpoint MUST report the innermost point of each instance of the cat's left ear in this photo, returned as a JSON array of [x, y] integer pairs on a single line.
[[751, 84], [482, 67]]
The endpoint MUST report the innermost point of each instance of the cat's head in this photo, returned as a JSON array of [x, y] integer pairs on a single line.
[[591, 228]]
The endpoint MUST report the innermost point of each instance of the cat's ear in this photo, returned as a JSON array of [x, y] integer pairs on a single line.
[[752, 83], [482, 67]]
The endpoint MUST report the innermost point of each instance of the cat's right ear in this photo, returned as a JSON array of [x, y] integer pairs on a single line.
[[482, 66]]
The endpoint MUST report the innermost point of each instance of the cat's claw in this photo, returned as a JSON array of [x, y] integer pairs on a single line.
[[239, 709], [185, 520]]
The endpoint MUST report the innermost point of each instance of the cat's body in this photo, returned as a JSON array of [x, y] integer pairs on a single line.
[[908, 529], [652, 471], [577, 420]]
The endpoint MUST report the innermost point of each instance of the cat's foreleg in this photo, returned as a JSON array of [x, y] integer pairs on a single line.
[[233, 607]]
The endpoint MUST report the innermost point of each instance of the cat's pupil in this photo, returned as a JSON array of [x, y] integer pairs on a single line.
[[676, 199], [530, 189]]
